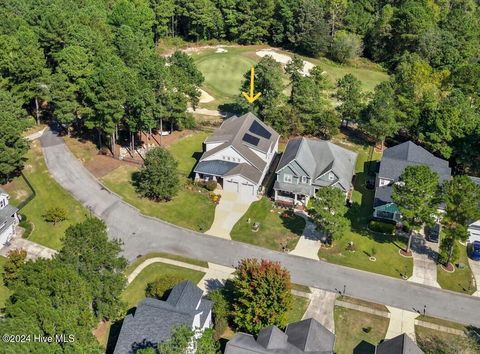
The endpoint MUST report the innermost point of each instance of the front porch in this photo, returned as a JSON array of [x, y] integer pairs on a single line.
[[387, 212], [289, 198]]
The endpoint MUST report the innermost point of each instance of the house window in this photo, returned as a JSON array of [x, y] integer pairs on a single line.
[[304, 179], [287, 178], [2, 203], [331, 176], [223, 157]]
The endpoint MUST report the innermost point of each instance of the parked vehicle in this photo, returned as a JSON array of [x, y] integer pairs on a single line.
[[433, 232], [474, 252]]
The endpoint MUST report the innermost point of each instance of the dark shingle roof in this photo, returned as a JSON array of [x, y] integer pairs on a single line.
[[154, 319], [401, 344], [475, 179], [232, 132], [397, 158], [307, 336]]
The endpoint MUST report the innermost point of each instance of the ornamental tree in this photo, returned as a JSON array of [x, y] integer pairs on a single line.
[[158, 179], [261, 295], [328, 212], [416, 195]]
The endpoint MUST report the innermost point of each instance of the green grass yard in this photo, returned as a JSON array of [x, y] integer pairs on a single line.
[[224, 72], [358, 331], [131, 267], [299, 306], [388, 261], [135, 291], [461, 280], [190, 208], [275, 231], [49, 194]]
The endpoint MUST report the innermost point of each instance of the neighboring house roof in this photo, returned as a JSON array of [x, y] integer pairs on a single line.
[[317, 157], [7, 214], [401, 344], [397, 158], [475, 179], [153, 320], [307, 336], [244, 134]]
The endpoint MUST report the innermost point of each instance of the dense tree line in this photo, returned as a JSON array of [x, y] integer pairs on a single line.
[[88, 64], [67, 295]]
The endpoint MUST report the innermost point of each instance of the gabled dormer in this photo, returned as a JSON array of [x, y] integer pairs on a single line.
[[3, 199]]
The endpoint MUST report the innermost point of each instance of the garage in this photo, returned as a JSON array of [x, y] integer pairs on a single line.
[[230, 186], [246, 189]]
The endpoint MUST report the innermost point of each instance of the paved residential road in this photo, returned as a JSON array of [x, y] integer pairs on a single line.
[[142, 235]]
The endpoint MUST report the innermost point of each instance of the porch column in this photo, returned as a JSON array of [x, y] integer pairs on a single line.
[[276, 194], [295, 199]]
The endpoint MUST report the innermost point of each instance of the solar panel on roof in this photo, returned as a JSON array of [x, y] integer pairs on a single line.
[[252, 140], [257, 129]]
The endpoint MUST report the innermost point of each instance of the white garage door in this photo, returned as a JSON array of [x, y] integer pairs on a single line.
[[230, 186], [246, 189]]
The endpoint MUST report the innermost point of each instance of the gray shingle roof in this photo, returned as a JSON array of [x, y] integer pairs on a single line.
[[7, 217], [307, 336], [214, 167], [401, 344], [475, 179], [232, 132], [397, 158], [316, 157], [154, 319]]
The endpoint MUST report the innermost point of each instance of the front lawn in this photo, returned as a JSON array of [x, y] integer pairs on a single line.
[[428, 340], [277, 227], [358, 332], [135, 291], [190, 208], [365, 243], [299, 306], [48, 194], [460, 280]]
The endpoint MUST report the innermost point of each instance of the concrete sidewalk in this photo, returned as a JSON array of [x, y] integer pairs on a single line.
[[309, 243], [215, 277], [231, 208], [34, 250]]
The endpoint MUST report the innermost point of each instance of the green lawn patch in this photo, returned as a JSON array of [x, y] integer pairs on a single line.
[[365, 243], [299, 306], [190, 208], [277, 227], [364, 303], [441, 322], [188, 150], [135, 291], [48, 194], [224, 72], [4, 291], [131, 267], [426, 337], [302, 288], [461, 280], [381, 227], [358, 331]]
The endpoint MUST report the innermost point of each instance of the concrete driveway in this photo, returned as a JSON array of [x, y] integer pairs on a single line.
[[231, 208], [309, 243], [34, 250], [321, 307], [142, 234], [424, 261], [475, 267]]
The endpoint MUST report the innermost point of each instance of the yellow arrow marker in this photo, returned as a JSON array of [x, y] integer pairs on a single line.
[[250, 97]]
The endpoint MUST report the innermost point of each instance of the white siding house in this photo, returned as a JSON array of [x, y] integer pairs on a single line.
[[8, 219]]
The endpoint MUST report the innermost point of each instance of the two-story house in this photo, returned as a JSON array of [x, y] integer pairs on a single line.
[[474, 227], [393, 163], [310, 164], [238, 155], [153, 320], [8, 218]]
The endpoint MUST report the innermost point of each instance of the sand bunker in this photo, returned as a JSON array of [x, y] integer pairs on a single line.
[[284, 59], [205, 97]]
